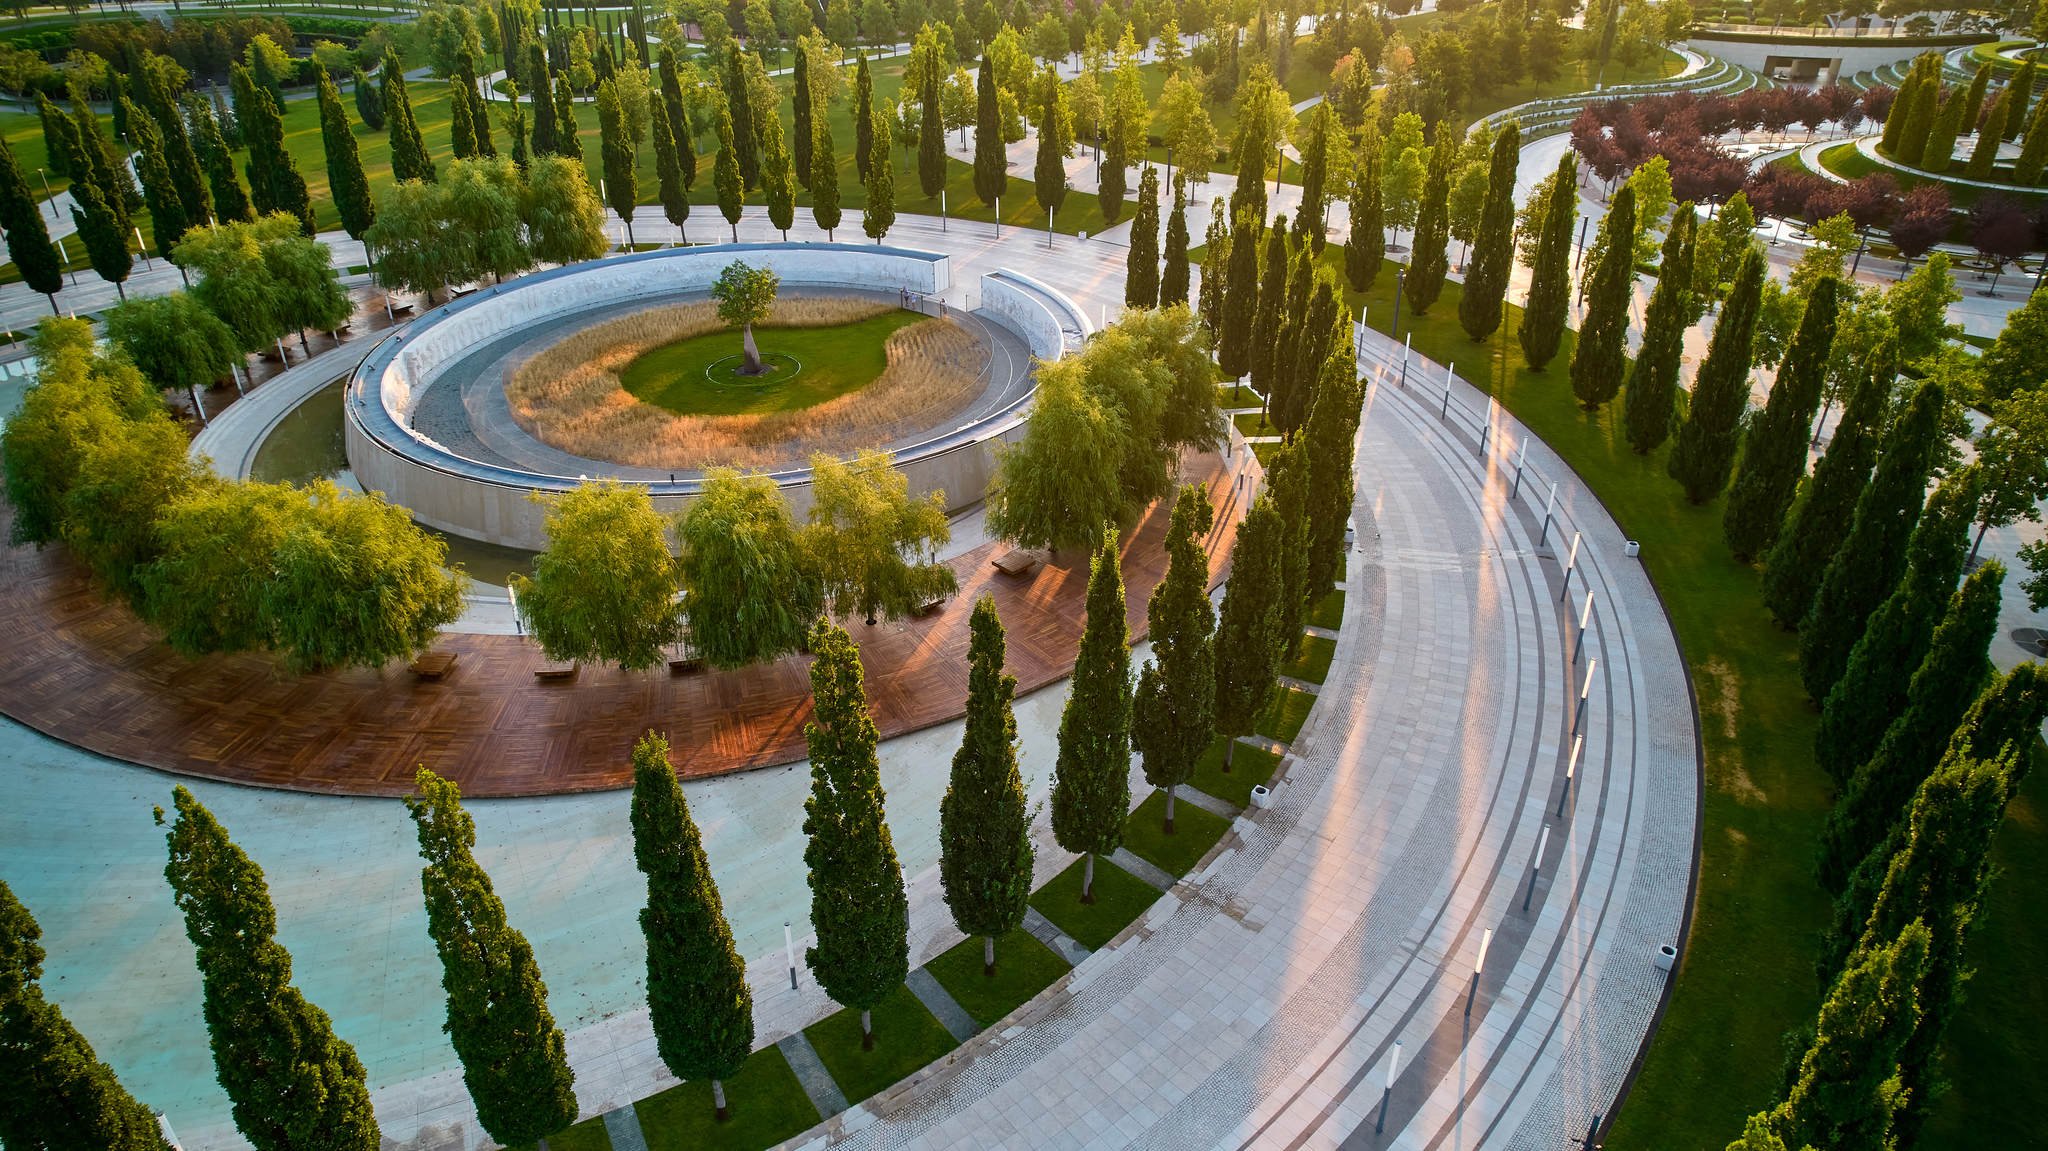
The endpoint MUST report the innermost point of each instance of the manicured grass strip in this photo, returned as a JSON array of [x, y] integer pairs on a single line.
[[765, 1103], [907, 1037], [1237, 396], [1328, 613], [832, 360], [1265, 452], [1249, 767], [1120, 897], [1311, 660], [1024, 967], [1285, 715], [588, 1135], [1254, 424], [1194, 832]]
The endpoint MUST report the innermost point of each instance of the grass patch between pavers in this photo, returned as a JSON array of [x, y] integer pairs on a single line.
[[907, 1037], [1237, 396], [1311, 660], [588, 1135], [1024, 967], [1195, 831], [766, 1102], [1249, 767], [1285, 715], [1254, 424], [1120, 897], [1328, 612], [1264, 451]]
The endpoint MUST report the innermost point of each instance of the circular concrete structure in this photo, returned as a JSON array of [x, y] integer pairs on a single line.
[[428, 425]]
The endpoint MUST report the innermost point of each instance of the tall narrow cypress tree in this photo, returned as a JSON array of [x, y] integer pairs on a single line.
[[274, 181], [59, 1094], [984, 824], [1873, 555], [1272, 307], [1550, 288], [1943, 686], [615, 146], [725, 173], [1920, 112], [513, 1060], [1109, 190], [931, 136], [1973, 96], [1822, 516], [858, 906], [1601, 357], [1049, 172], [1215, 270], [1431, 258], [1304, 348], [409, 160], [461, 123], [230, 199], [1173, 715], [1844, 1093], [1141, 267], [369, 100], [1288, 479], [1365, 249], [1239, 299], [345, 179], [991, 169], [1651, 402], [1329, 439], [479, 109], [863, 115], [291, 1081], [824, 179], [1901, 111], [878, 215], [1493, 249], [541, 85], [778, 183], [2019, 94], [697, 995], [2026, 170], [28, 239], [179, 156], [159, 192], [1249, 645], [802, 130], [1091, 780], [58, 135], [1989, 137], [568, 136], [109, 162], [1938, 154], [1774, 443], [1173, 281], [1881, 665], [678, 116], [103, 228], [1315, 174], [675, 198], [1705, 451]]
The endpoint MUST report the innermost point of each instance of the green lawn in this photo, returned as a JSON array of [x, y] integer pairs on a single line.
[[1249, 767], [696, 376], [1285, 715], [588, 1135], [1254, 424], [1237, 396], [1849, 162], [1120, 897], [1024, 967], [1194, 832], [1747, 975], [1311, 660], [907, 1037], [765, 1104], [1328, 613]]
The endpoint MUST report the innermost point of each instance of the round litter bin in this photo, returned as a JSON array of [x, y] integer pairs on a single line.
[[1262, 796]]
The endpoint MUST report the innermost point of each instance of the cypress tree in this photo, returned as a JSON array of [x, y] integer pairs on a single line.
[[1303, 351], [984, 824], [1431, 259], [541, 85], [159, 192], [1920, 114], [409, 160], [726, 175], [1493, 249], [1943, 686], [1901, 111], [1650, 404], [57, 135], [568, 137], [1215, 268], [1239, 300], [858, 906], [697, 995], [878, 215], [369, 101], [1939, 152], [103, 228], [1705, 450], [230, 199], [461, 128], [1329, 440], [1173, 716], [778, 183], [1249, 645], [1366, 247], [1049, 174], [109, 162], [991, 170], [1821, 519], [1774, 442], [1288, 479], [1315, 175], [1272, 306], [291, 1081], [59, 1095], [274, 181], [1109, 191], [675, 198], [1550, 289], [1844, 1092], [1091, 781], [513, 1061], [1881, 665], [345, 179], [615, 146], [1173, 282], [801, 128], [183, 162], [2033, 157], [931, 137], [678, 117], [1873, 555], [1988, 138], [2018, 94], [1141, 268], [1973, 99], [824, 179], [479, 110], [1601, 357], [28, 239], [863, 115]]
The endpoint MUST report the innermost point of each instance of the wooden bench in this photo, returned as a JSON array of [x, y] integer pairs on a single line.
[[928, 607], [684, 665], [433, 664], [554, 672], [1018, 562]]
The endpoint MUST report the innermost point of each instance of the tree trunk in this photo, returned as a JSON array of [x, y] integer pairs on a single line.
[[718, 1100], [867, 1031], [1170, 789], [753, 353], [120, 291], [988, 955], [629, 235], [1229, 749], [303, 345], [53, 305], [1983, 526], [735, 233], [1088, 877]]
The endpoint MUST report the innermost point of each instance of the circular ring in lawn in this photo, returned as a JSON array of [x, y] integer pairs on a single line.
[[776, 368]]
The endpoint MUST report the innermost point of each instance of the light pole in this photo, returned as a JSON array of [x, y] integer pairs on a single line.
[[49, 197]]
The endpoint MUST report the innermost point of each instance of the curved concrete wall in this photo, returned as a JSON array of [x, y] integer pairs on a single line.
[[493, 503], [1840, 56]]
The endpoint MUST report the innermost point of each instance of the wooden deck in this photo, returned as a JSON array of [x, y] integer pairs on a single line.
[[86, 671]]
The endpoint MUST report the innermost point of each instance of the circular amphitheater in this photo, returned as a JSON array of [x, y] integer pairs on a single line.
[[530, 387]]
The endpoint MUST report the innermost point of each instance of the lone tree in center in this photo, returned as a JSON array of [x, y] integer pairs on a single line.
[[744, 294]]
